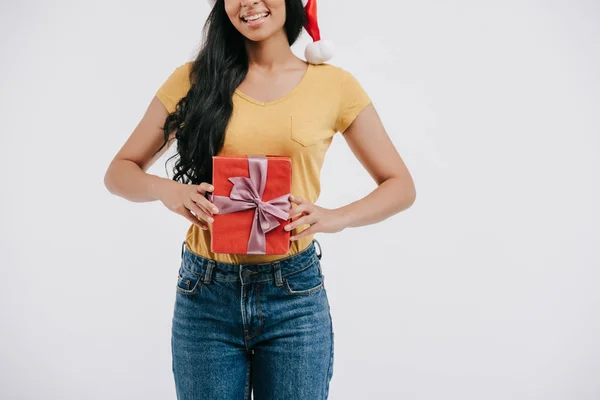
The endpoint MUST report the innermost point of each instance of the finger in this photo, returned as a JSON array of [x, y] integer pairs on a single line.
[[296, 199], [298, 210], [205, 187], [199, 212], [187, 214], [201, 202], [204, 203], [307, 219], [311, 230]]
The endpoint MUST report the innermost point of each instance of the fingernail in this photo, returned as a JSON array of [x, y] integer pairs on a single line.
[[287, 227], [211, 188], [211, 220], [215, 210]]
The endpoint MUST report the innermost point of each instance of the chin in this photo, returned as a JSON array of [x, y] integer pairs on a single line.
[[258, 37]]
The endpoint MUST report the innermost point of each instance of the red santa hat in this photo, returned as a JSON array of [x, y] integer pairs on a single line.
[[319, 51]]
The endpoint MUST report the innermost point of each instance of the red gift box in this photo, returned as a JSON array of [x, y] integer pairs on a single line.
[[252, 195]]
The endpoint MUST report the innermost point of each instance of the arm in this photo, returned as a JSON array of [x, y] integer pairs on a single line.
[[126, 175], [395, 190], [372, 146]]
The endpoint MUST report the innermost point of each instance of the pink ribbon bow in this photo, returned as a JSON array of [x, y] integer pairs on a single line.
[[247, 194]]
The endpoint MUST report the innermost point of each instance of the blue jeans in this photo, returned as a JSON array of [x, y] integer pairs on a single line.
[[261, 328]]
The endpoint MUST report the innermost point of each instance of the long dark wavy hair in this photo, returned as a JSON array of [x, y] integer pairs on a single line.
[[201, 117]]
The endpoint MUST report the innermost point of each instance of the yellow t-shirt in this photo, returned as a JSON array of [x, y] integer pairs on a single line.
[[301, 125]]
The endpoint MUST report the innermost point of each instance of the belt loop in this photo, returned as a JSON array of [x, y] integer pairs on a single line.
[[320, 253], [209, 271], [277, 273]]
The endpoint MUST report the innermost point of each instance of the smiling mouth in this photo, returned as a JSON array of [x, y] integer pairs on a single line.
[[256, 17]]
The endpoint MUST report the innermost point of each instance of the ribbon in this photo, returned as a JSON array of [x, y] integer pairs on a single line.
[[247, 194]]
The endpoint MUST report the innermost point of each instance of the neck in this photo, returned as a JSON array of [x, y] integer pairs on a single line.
[[271, 53]]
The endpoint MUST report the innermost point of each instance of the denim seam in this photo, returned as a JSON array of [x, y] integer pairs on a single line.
[[208, 273], [189, 269], [191, 291], [236, 279], [260, 314], [300, 270], [329, 368], [195, 288], [277, 274], [304, 292], [248, 389]]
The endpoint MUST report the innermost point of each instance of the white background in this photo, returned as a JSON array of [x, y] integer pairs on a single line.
[[486, 288]]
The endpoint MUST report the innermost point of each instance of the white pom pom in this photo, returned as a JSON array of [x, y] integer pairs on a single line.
[[319, 52]]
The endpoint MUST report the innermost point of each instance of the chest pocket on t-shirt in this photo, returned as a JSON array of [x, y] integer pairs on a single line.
[[306, 131]]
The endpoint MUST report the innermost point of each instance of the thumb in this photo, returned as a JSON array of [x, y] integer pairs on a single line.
[[205, 187]]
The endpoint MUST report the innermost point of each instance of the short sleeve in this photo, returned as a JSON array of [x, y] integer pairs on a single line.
[[353, 99], [175, 87]]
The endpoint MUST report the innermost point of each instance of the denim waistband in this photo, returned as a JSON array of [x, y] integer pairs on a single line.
[[247, 273]]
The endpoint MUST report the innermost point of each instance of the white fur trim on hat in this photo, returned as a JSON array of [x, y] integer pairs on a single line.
[[319, 52]]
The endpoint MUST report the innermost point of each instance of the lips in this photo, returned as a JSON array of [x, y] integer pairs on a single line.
[[255, 16]]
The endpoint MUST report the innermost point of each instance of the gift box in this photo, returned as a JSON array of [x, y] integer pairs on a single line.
[[252, 195]]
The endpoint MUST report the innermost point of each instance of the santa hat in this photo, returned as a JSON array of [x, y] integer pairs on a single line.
[[319, 50]]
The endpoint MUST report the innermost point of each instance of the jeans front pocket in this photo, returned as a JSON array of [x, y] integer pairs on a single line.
[[188, 282], [306, 281]]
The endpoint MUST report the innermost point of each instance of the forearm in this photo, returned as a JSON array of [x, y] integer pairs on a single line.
[[126, 179], [391, 197]]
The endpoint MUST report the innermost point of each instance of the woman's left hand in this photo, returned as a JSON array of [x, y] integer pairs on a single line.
[[320, 219]]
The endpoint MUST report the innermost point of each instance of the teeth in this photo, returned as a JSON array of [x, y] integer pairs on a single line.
[[255, 17]]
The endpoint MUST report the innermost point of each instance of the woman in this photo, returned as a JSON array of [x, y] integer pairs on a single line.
[[252, 322]]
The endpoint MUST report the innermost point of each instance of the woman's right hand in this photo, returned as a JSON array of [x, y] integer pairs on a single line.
[[184, 199]]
